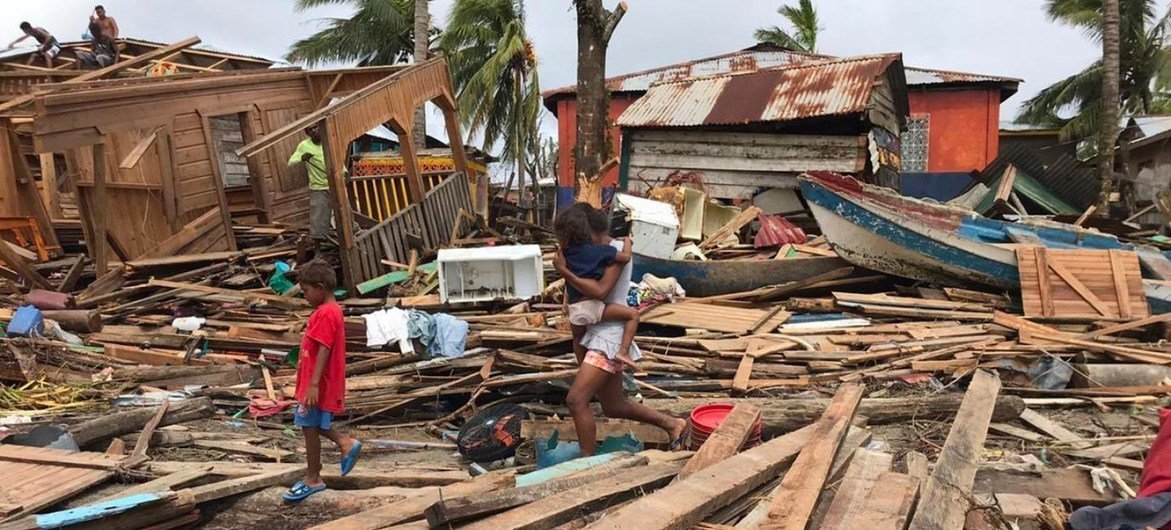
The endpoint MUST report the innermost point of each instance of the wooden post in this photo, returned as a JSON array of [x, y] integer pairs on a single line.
[[98, 246], [343, 216], [221, 193], [167, 176], [255, 171], [410, 162], [49, 185]]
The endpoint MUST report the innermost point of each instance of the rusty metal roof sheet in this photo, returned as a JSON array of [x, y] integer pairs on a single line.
[[923, 76], [823, 88], [764, 56]]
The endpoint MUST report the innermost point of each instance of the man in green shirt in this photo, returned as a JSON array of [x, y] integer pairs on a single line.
[[311, 153]]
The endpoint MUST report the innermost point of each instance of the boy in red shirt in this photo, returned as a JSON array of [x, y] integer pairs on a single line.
[[321, 378]]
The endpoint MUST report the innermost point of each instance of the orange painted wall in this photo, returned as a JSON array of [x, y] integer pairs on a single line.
[[964, 128], [567, 137]]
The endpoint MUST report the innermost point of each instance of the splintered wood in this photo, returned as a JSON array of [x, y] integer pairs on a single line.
[[1081, 283], [715, 317]]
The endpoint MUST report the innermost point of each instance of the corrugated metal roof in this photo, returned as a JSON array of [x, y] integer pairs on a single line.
[[824, 88], [759, 57], [924, 76]]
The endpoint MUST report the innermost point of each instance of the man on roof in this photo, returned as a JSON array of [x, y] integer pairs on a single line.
[[103, 51], [49, 47], [108, 24]]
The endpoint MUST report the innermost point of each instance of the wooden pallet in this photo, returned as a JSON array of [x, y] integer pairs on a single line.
[[1081, 283]]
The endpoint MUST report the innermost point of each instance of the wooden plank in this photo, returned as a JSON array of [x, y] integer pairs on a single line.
[[227, 488], [845, 511], [946, 493], [796, 497], [273, 299], [889, 506], [1068, 484], [450, 511], [143, 441], [98, 246], [744, 371], [726, 441], [1012, 430], [1081, 289], [163, 483], [1043, 287], [1052, 428], [1120, 288], [22, 267], [135, 155], [683, 504], [562, 507], [744, 217], [411, 508], [1102, 452], [1126, 326], [103, 72], [57, 457]]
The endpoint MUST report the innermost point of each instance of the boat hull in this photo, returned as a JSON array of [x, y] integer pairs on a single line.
[[719, 277]]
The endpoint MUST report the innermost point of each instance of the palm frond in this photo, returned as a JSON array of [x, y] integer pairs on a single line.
[[803, 19], [779, 37], [380, 32]]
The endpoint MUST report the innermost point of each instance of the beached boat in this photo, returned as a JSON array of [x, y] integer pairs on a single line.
[[878, 229], [717, 277]]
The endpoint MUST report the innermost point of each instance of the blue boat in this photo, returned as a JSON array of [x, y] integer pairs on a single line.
[[878, 229]]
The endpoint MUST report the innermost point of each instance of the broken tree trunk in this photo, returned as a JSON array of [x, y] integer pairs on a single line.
[[119, 423], [779, 416], [595, 25]]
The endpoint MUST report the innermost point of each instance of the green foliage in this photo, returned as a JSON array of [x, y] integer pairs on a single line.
[[1074, 104], [494, 70], [380, 32], [803, 37]]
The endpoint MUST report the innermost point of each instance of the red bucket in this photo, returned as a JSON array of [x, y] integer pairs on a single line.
[[706, 418]]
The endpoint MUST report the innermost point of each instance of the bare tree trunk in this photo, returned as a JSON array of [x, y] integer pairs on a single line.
[[422, 36], [1110, 101], [518, 147], [595, 25]]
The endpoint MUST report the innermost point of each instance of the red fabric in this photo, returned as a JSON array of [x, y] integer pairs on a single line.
[[326, 328], [1156, 477]]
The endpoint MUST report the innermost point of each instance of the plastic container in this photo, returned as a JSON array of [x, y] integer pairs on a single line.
[[512, 272], [279, 282], [26, 322], [188, 324], [706, 418], [654, 226]]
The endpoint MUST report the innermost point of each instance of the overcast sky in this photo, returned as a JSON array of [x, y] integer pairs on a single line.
[[1001, 37]]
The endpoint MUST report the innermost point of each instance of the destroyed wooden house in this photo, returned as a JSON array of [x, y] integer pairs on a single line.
[[169, 180], [36, 198], [748, 133]]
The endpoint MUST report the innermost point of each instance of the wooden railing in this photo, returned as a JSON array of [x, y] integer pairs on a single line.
[[426, 225], [380, 197]]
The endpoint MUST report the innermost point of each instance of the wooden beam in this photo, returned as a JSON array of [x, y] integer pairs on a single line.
[[726, 441], [889, 505], [563, 507], [796, 497], [135, 154], [410, 162], [685, 503], [1080, 288], [451, 511], [947, 492], [227, 488], [861, 477], [1122, 292], [1050, 427], [1126, 326], [218, 181], [412, 507], [105, 72], [98, 245], [22, 267]]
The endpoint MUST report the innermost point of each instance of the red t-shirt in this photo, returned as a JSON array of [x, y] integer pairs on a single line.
[[326, 327]]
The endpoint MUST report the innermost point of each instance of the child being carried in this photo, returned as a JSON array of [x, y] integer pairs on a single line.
[[588, 258]]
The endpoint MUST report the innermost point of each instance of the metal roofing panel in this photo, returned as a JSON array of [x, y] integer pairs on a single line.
[[924, 76], [824, 88], [756, 58]]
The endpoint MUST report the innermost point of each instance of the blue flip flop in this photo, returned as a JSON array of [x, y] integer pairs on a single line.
[[351, 458], [679, 443], [301, 491]]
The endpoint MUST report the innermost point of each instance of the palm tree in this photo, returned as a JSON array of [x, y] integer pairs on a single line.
[[805, 28], [1110, 80], [422, 30], [494, 70], [1074, 104], [380, 32]]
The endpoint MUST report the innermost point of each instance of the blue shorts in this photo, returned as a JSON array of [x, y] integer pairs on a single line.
[[312, 417]]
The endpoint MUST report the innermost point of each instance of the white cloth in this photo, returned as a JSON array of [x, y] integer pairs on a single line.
[[386, 326], [606, 337]]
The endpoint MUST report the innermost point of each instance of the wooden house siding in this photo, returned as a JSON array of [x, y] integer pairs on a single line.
[[734, 164]]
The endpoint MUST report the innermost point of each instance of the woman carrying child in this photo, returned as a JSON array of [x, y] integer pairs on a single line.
[[604, 346]]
